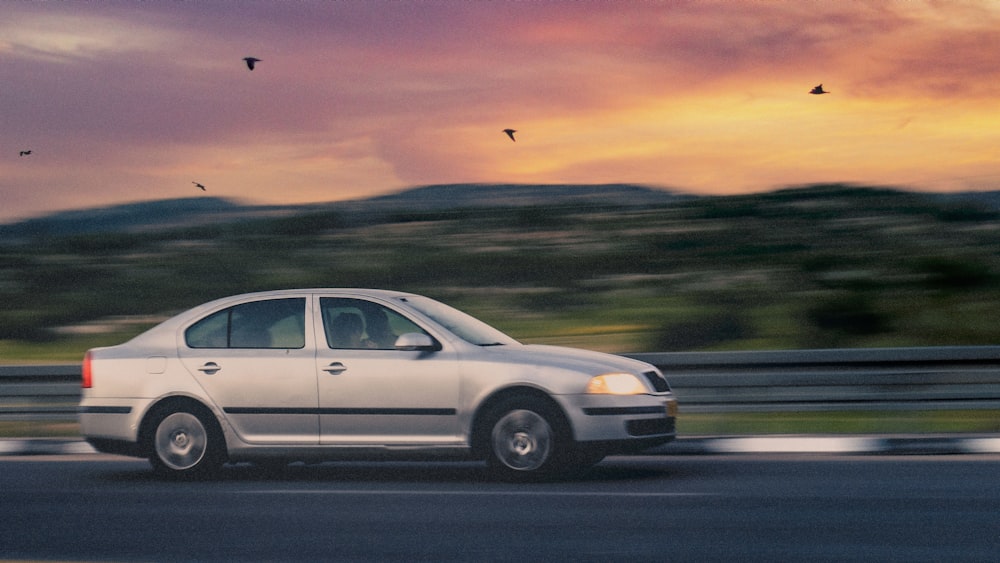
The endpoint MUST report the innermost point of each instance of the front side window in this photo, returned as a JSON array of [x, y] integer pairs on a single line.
[[360, 324], [271, 323]]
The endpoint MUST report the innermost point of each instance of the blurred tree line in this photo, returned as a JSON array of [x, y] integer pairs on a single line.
[[817, 267]]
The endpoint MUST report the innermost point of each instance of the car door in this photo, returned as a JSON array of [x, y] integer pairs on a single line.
[[257, 363], [370, 393]]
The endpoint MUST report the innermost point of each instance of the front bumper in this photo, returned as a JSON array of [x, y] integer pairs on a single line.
[[644, 420]]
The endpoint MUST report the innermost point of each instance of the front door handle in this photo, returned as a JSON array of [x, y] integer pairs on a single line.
[[335, 368], [209, 368]]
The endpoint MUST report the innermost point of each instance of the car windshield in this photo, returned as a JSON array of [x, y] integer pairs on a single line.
[[464, 326]]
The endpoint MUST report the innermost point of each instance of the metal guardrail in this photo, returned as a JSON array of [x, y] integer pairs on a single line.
[[39, 392], [941, 378], [934, 378]]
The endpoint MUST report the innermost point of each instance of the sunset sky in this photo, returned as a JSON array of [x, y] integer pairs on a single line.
[[130, 101]]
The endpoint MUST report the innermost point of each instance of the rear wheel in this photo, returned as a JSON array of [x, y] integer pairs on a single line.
[[185, 444], [525, 439]]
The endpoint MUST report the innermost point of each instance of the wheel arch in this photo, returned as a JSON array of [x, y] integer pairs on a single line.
[[175, 403], [480, 422]]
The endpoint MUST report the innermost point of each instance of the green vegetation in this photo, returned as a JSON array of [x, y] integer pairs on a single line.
[[817, 267], [846, 422]]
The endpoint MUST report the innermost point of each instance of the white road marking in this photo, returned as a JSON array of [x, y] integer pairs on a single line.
[[797, 444], [982, 445]]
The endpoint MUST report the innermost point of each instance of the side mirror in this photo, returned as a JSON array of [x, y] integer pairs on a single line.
[[416, 341]]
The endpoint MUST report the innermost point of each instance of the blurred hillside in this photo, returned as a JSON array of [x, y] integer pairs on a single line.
[[616, 268]]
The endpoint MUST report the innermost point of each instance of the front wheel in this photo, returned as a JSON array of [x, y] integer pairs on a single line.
[[185, 444], [526, 439]]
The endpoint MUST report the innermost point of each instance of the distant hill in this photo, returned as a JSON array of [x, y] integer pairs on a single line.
[[172, 213], [149, 215], [989, 199], [195, 211], [452, 196]]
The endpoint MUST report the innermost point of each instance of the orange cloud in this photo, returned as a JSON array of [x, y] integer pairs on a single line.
[[352, 99]]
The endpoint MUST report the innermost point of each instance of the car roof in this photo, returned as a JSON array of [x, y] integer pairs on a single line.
[[385, 294], [352, 290]]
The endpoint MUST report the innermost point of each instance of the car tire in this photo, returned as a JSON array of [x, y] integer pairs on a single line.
[[184, 444], [525, 439]]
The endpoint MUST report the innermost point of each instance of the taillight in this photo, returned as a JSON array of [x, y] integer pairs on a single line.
[[87, 380]]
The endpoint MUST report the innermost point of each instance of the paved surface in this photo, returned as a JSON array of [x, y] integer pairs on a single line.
[[740, 508], [889, 445]]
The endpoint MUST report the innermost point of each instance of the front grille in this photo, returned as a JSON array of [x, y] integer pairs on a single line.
[[650, 427], [657, 380]]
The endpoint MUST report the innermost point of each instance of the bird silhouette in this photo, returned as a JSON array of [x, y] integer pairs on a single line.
[[24, 153], [510, 133], [819, 90], [199, 185], [251, 61]]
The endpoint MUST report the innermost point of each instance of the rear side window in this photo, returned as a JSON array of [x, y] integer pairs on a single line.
[[271, 323]]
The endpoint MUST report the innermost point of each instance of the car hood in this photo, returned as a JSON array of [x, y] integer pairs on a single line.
[[585, 361]]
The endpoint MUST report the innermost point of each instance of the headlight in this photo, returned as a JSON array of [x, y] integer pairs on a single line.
[[616, 384]]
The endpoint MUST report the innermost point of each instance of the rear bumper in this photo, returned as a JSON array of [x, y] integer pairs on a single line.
[[112, 419]]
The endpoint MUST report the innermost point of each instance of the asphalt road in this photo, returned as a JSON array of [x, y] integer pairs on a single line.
[[678, 508]]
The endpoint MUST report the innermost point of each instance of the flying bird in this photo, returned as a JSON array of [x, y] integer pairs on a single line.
[[510, 133], [24, 153], [199, 185], [251, 61], [819, 90]]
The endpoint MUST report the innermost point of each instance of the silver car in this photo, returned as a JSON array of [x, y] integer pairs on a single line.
[[322, 374]]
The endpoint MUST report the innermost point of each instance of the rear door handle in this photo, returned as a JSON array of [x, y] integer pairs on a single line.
[[209, 368], [335, 368]]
